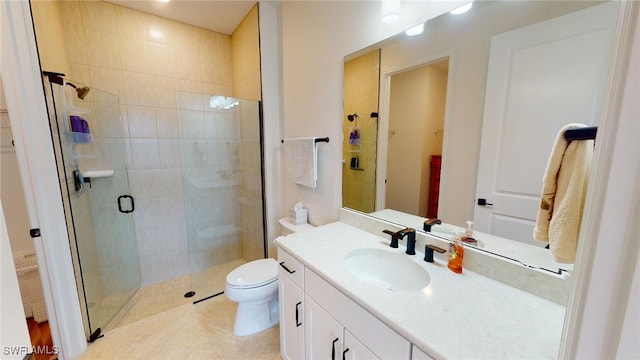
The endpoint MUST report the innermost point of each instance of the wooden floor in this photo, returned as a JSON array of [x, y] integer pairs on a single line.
[[41, 340]]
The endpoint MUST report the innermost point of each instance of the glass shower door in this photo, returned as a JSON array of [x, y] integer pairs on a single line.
[[93, 177], [220, 140]]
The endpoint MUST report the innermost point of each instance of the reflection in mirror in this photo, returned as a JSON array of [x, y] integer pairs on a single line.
[[416, 126], [466, 41], [360, 131]]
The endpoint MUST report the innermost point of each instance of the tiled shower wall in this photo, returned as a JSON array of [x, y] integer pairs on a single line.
[[211, 179], [144, 60], [361, 96]]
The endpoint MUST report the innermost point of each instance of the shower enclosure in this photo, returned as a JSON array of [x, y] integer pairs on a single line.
[[191, 214], [92, 168], [220, 146]]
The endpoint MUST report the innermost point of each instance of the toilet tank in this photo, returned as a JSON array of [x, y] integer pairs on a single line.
[[287, 227]]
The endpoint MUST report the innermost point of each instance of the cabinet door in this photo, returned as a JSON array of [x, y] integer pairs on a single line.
[[323, 334], [291, 318], [354, 349], [382, 340]]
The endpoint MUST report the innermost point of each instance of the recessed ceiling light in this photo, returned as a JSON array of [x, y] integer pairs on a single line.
[[164, 1], [462, 9], [391, 10], [416, 30]]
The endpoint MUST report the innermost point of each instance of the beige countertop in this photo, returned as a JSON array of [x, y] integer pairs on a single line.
[[456, 316]]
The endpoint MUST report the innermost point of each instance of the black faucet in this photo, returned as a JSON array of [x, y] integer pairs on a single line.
[[429, 223], [411, 239]]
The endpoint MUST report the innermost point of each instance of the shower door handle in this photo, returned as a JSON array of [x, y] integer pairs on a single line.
[[133, 205]]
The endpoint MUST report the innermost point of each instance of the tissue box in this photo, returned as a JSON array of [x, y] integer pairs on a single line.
[[298, 216]]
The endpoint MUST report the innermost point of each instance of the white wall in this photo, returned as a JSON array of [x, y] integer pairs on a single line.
[[270, 63], [13, 331], [13, 198], [316, 36], [12, 192]]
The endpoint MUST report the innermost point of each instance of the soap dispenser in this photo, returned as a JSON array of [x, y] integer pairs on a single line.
[[456, 254], [468, 234]]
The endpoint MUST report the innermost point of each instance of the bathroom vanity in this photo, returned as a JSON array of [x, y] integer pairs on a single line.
[[330, 309]]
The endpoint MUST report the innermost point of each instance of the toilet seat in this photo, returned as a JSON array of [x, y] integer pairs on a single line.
[[253, 274]]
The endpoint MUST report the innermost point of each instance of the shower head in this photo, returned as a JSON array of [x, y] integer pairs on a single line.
[[82, 91]]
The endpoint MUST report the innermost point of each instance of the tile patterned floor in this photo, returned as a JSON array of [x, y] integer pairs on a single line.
[[180, 330], [167, 295]]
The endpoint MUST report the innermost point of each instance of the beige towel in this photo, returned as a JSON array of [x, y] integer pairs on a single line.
[[564, 189], [301, 158]]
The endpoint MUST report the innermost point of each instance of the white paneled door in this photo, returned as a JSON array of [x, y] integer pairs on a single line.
[[540, 78]]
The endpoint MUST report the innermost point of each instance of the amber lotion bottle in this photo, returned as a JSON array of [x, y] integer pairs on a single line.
[[456, 254]]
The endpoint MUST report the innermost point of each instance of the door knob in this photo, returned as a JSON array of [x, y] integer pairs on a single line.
[[483, 202]]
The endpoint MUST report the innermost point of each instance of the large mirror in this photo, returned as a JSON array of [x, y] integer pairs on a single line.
[[424, 131]]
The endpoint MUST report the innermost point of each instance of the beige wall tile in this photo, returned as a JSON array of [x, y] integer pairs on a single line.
[[131, 23], [99, 15], [164, 93], [70, 12], [103, 49], [160, 30], [246, 57], [138, 89], [186, 36], [109, 80], [80, 73], [50, 36], [135, 54], [167, 124], [77, 51], [162, 60], [142, 122]]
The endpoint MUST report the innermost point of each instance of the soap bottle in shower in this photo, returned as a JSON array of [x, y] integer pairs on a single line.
[[456, 254]]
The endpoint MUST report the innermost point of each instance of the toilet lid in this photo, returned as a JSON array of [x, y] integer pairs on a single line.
[[254, 273]]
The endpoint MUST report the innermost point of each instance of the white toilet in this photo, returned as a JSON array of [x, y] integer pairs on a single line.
[[254, 286]]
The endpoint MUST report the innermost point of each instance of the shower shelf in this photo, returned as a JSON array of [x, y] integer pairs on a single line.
[[92, 174], [75, 110], [80, 138], [81, 144]]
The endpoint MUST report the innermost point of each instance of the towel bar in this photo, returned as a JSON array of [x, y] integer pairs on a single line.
[[325, 139], [585, 133]]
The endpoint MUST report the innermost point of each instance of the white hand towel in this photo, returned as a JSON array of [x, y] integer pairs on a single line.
[[564, 189], [301, 160]]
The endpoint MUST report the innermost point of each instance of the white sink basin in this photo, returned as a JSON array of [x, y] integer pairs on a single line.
[[386, 269]]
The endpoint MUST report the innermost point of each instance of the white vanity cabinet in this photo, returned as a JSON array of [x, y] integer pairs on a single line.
[[327, 339], [317, 321], [291, 299], [353, 349], [324, 335], [377, 339]]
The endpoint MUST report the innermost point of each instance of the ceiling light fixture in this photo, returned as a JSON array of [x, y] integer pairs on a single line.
[[391, 11], [416, 30], [462, 9]]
